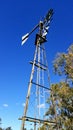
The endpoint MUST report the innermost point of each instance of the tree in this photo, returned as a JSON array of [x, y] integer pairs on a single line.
[[63, 64], [8, 128], [43, 127], [0, 120], [61, 95], [0, 123], [1, 128]]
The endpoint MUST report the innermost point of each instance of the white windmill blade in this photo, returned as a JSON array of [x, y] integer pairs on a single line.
[[24, 38], [44, 33], [47, 27]]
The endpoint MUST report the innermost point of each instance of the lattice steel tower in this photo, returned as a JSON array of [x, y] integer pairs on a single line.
[[39, 83]]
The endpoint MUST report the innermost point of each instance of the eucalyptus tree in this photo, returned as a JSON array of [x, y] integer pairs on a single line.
[[61, 95]]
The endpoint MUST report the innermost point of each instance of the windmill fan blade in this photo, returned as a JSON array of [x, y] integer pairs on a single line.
[[47, 27], [48, 16], [44, 33], [24, 38]]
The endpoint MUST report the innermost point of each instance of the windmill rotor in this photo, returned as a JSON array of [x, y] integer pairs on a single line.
[[43, 27]]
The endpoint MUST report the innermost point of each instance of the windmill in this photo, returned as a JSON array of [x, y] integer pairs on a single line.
[[38, 87]]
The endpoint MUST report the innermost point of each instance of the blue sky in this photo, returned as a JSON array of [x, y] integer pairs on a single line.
[[17, 17]]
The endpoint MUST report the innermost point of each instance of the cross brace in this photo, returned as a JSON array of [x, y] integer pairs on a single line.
[[41, 67], [40, 85], [46, 122]]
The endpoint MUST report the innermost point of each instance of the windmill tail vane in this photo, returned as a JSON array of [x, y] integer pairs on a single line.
[[25, 38]]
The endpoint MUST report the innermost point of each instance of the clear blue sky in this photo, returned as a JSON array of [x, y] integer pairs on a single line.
[[17, 17]]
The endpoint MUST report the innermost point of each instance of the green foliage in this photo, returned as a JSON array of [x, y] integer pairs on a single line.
[[43, 127], [61, 97], [63, 64], [0, 121], [8, 128]]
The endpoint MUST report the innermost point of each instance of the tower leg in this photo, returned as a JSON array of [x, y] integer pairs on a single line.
[[29, 89]]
